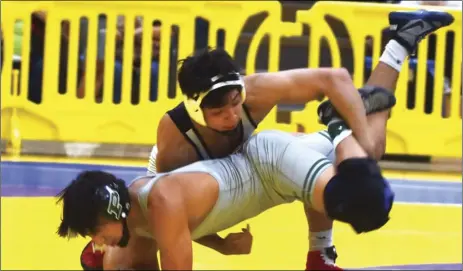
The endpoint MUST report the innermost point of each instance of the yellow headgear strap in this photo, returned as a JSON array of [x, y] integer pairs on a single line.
[[193, 105]]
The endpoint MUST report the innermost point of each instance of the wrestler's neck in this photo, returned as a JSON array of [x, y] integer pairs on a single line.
[[136, 217]]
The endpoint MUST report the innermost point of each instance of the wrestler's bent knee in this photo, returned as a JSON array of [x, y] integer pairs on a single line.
[[359, 195]]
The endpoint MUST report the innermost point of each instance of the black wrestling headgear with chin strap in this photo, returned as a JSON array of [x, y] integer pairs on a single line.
[[115, 201]]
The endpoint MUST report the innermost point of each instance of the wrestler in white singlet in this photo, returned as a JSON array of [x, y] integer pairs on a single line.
[[273, 168]]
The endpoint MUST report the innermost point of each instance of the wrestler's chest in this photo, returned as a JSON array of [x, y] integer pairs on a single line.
[[222, 147]]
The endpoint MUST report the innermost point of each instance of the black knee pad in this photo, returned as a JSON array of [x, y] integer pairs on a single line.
[[359, 195]]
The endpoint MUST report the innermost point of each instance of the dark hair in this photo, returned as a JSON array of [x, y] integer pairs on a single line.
[[81, 207], [196, 71]]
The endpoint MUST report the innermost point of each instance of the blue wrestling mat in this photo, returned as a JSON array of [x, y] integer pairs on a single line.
[[47, 179]]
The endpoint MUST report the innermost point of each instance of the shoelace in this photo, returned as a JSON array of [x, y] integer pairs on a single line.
[[96, 248]]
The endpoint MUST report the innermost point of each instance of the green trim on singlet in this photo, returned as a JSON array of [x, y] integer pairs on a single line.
[[326, 135], [311, 176]]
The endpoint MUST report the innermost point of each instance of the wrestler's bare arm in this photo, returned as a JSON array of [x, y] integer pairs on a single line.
[[170, 228], [299, 86]]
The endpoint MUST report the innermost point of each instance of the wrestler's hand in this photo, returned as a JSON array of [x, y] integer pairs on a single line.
[[238, 243]]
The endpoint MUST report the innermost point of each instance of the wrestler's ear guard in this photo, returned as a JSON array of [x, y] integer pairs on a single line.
[[193, 105], [115, 200], [359, 195]]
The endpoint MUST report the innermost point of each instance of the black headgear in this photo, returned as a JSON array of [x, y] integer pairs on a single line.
[[116, 205]]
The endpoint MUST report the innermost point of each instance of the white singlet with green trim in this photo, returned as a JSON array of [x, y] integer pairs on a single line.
[[273, 168]]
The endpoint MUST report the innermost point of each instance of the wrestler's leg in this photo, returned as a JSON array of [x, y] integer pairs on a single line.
[[404, 42], [322, 253]]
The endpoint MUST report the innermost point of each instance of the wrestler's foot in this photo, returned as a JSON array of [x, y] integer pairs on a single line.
[[410, 27], [375, 99], [91, 257], [322, 260], [336, 127]]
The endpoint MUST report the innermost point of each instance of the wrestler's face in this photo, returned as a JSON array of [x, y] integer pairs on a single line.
[[227, 117], [108, 233]]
